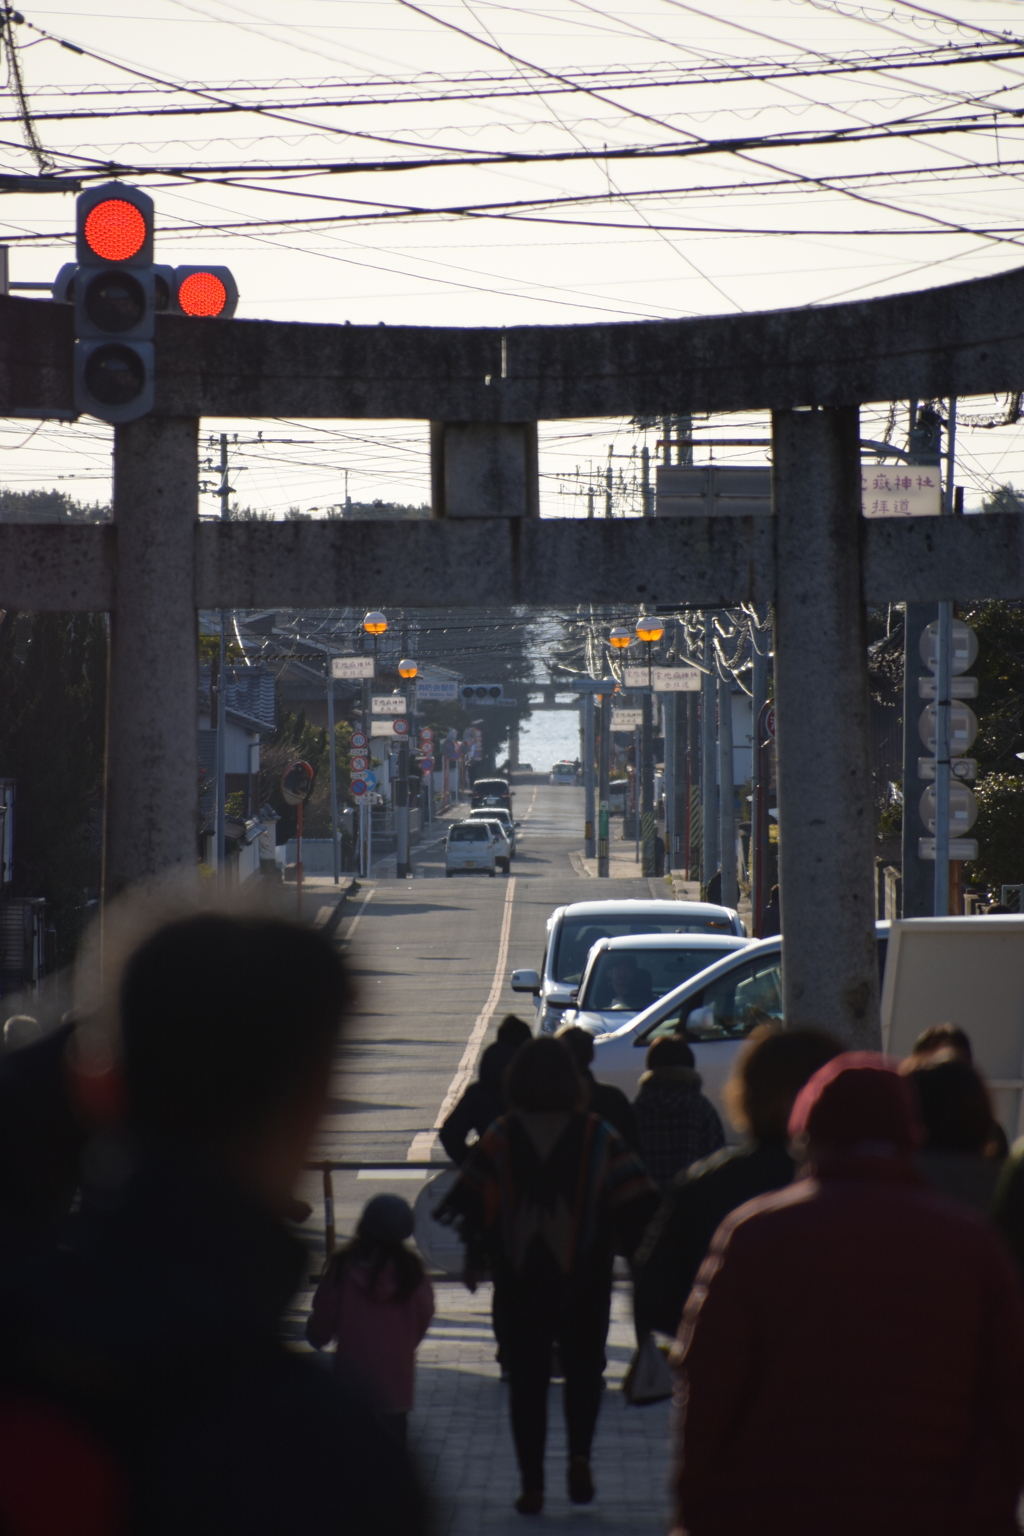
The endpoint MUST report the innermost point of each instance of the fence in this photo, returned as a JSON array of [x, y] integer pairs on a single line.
[[328, 1169]]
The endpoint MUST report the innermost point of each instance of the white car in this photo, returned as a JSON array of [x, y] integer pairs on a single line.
[[503, 850], [714, 1012], [565, 773], [498, 813], [625, 976], [472, 847], [574, 929]]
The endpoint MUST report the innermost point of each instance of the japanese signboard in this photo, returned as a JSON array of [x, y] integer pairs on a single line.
[[387, 704], [351, 666], [665, 679], [436, 692], [627, 719], [903, 490]]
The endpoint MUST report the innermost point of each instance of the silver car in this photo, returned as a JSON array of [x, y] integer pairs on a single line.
[[573, 930], [625, 976]]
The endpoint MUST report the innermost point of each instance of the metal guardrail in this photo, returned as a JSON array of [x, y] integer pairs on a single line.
[[357, 1165]]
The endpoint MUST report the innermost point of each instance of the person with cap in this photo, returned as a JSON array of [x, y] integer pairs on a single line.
[[851, 1356], [375, 1300]]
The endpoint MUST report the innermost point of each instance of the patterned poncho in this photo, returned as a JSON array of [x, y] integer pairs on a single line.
[[565, 1181]]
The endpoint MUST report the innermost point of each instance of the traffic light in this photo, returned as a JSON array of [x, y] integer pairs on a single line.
[[480, 693], [210, 292], [115, 301]]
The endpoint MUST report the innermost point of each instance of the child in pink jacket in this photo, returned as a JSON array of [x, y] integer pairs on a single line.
[[377, 1302]]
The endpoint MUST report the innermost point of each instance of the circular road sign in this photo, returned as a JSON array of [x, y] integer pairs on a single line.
[[426, 734], [369, 779], [296, 783], [357, 787], [963, 809], [963, 728], [965, 646], [769, 722], [357, 764], [426, 765], [400, 726], [359, 740]]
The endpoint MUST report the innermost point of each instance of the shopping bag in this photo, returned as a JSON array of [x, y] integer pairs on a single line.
[[649, 1378]]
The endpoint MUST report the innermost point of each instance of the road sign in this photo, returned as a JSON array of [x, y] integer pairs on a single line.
[[426, 734], [357, 764], [400, 727], [963, 728], [959, 687], [426, 765], [351, 666], [963, 809], [961, 849], [296, 783], [431, 692], [593, 685], [965, 646], [386, 727], [627, 719], [769, 722], [959, 767], [369, 779], [388, 704], [664, 679], [359, 739], [358, 787]]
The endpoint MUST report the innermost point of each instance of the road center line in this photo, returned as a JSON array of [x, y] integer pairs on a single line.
[[422, 1143]]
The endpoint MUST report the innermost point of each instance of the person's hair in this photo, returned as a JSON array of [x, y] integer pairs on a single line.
[[579, 1043], [513, 1030], [543, 1076], [375, 1252], [944, 1037], [956, 1111], [769, 1074], [222, 1018], [669, 1051]]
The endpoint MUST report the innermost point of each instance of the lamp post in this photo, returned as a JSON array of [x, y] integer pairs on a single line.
[[375, 624], [620, 640], [407, 670], [650, 630]]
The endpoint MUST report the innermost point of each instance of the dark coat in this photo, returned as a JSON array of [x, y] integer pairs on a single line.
[[676, 1124], [612, 1105], [852, 1360], [695, 1204], [157, 1324], [480, 1105]]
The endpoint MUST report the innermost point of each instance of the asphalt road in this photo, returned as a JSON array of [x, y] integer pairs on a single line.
[[431, 959]]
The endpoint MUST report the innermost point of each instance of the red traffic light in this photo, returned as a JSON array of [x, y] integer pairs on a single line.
[[115, 230], [202, 293], [114, 225]]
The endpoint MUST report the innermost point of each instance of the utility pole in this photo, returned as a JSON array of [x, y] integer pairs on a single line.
[[223, 491], [726, 792], [943, 701], [709, 802], [335, 848], [646, 493], [603, 783], [588, 776], [669, 708], [759, 789]]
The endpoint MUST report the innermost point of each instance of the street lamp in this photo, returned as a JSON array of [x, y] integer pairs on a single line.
[[649, 630], [619, 639], [375, 623], [407, 669]]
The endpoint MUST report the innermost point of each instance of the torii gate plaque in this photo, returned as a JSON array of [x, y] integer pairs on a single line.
[[484, 391]]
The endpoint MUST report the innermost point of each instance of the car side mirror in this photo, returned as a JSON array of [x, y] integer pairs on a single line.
[[525, 981], [517, 823], [700, 1024]]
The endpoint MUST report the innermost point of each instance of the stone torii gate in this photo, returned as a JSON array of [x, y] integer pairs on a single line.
[[483, 391]]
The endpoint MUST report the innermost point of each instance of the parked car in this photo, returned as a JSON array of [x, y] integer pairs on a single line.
[[498, 813], [626, 975], [565, 773], [574, 929], [714, 1011], [471, 845], [487, 792], [503, 848]]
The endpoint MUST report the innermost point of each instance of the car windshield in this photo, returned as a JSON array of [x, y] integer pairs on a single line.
[[578, 934], [468, 832], [501, 817], [729, 1007], [490, 787], [626, 980]]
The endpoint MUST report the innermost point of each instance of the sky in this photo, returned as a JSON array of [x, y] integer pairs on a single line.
[[470, 163]]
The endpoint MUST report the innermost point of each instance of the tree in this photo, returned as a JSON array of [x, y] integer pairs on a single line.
[[53, 683], [295, 739], [1003, 499], [1000, 673], [1000, 832]]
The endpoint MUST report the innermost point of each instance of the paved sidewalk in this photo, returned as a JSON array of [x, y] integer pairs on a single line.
[[459, 1432]]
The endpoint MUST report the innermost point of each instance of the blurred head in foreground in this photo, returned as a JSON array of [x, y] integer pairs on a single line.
[[227, 1026], [770, 1073], [943, 1037], [859, 1105]]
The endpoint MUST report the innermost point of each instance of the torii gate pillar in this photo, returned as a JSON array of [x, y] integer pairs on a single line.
[[151, 816], [826, 814]]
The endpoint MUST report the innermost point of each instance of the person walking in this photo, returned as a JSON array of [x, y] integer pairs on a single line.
[[375, 1300], [759, 1098], [603, 1099], [956, 1115], [546, 1198], [676, 1124], [483, 1101], [852, 1354]]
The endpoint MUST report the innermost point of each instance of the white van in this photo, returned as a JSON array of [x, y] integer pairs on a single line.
[[471, 846]]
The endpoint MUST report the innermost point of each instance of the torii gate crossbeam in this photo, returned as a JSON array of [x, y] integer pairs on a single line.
[[484, 391]]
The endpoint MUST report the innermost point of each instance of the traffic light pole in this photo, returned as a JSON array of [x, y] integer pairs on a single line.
[[223, 491], [402, 866], [708, 776], [726, 794], [588, 776], [151, 813], [647, 783], [604, 774]]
